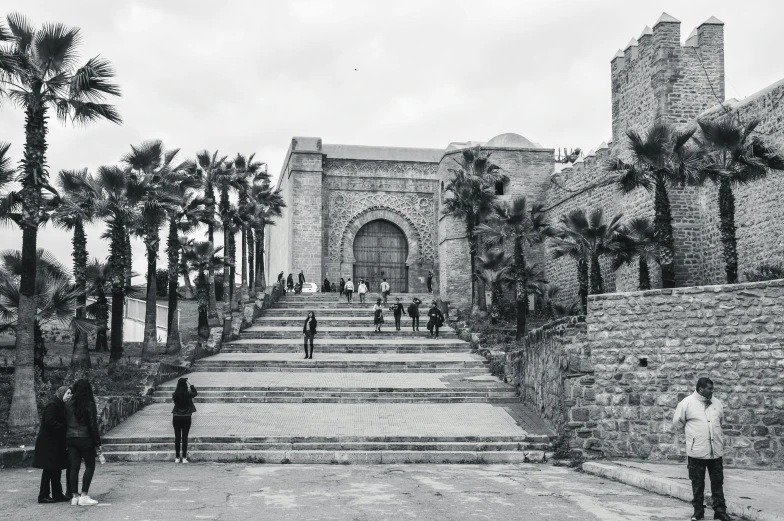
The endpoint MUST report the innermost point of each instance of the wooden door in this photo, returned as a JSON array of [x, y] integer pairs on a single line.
[[380, 251]]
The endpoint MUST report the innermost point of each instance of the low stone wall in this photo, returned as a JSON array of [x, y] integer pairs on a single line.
[[113, 410], [553, 375], [649, 348]]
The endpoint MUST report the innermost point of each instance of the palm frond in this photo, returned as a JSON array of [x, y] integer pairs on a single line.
[[55, 47], [22, 31], [91, 81]]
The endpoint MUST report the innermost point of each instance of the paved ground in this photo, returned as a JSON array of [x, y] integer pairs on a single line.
[[330, 419], [228, 492], [755, 493]]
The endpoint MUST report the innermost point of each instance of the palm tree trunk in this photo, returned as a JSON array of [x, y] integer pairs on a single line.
[[202, 289], [582, 283], [645, 276], [101, 321], [521, 289], [226, 268], [80, 357], [150, 341], [481, 286], [664, 234], [244, 267], [472, 255], [173, 344], [128, 261], [261, 280], [233, 294], [117, 265], [494, 297], [212, 311], [251, 266], [727, 229], [597, 282], [23, 413], [186, 276]]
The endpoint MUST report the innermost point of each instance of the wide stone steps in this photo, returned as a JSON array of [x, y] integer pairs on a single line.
[[365, 321], [387, 331], [300, 313], [347, 397], [347, 345]]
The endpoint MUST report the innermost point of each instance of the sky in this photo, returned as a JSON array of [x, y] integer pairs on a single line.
[[247, 76]]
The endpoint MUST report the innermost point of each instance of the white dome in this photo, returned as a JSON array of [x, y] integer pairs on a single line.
[[510, 140]]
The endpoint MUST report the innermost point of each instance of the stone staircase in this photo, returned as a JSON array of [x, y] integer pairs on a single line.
[[365, 397]]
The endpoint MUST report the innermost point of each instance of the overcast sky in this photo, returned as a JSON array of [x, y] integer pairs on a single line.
[[247, 76]]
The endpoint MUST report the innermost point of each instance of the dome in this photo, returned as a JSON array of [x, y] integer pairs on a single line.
[[510, 140]]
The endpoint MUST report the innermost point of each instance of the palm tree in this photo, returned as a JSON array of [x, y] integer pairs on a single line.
[[208, 166], [39, 75], [734, 156], [638, 241], [587, 238], [663, 157], [121, 201], [495, 272], [185, 216], [79, 205], [472, 190], [227, 180], [514, 221], [56, 298], [152, 169], [265, 205], [200, 256], [249, 172], [185, 269], [99, 277]]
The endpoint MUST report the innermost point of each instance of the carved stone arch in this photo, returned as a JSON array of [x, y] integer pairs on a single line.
[[387, 214]]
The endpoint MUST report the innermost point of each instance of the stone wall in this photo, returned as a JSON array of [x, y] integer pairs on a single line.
[[553, 375], [649, 348], [113, 410]]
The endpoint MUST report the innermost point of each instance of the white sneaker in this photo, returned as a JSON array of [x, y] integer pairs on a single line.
[[176, 460], [184, 460], [75, 501], [85, 501]]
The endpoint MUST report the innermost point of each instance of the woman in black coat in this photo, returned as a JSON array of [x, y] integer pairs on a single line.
[[290, 282], [309, 330], [51, 454]]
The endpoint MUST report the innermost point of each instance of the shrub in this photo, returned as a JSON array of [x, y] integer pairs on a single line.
[[162, 283], [765, 272]]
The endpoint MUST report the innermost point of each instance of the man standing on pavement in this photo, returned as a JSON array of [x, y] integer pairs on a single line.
[[385, 290], [701, 415]]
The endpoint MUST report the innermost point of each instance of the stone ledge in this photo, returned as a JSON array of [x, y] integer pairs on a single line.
[[16, 457], [667, 487]]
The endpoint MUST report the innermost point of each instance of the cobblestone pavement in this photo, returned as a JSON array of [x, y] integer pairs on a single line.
[[332, 419], [229, 492]]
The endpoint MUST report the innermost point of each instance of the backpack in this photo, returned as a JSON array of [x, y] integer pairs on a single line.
[[412, 309]]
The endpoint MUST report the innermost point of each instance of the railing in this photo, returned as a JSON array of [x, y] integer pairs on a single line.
[[133, 324]]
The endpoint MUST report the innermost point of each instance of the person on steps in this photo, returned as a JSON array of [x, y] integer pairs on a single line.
[[700, 416], [349, 290], [397, 311], [385, 290], [281, 281], [413, 312], [342, 286], [290, 282], [301, 277], [82, 439], [309, 330], [436, 320], [182, 412], [378, 316], [51, 454], [326, 287], [430, 282], [362, 290]]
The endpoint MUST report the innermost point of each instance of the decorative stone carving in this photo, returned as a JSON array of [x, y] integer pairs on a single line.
[[392, 169], [345, 207]]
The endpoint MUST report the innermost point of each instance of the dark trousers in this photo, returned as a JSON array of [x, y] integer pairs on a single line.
[[50, 480], [81, 449], [309, 339], [397, 322], [349, 293], [182, 425], [362, 297], [415, 323], [385, 295], [430, 285], [697, 476], [433, 327]]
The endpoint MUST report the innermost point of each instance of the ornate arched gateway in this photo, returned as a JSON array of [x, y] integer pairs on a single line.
[[380, 252]]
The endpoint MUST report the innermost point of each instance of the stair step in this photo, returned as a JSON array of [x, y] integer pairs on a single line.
[[166, 445], [339, 457]]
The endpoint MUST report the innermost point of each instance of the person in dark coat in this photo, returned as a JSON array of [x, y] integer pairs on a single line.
[[436, 320], [82, 439], [290, 282], [301, 277], [309, 330], [342, 286], [430, 282], [397, 311], [326, 287], [413, 312], [51, 455], [182, 413]]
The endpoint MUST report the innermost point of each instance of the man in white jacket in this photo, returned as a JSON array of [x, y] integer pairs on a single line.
[[701, 415]]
